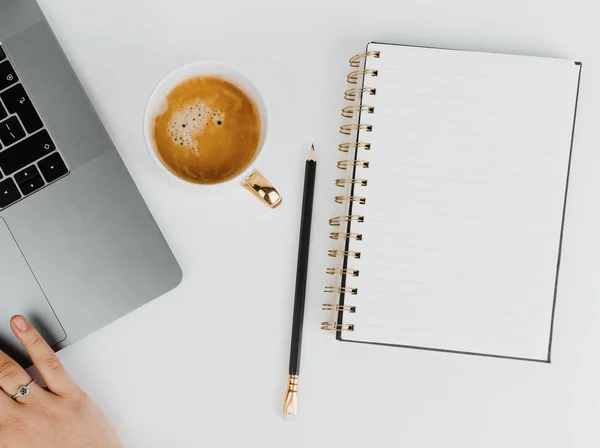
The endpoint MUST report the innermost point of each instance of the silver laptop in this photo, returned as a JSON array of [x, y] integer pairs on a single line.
[[78, 246]]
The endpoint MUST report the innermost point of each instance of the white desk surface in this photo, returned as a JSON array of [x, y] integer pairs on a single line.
[[205, 365]]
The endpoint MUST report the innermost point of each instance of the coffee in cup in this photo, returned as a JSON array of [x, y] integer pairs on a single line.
[[205, 124], [209, 131]]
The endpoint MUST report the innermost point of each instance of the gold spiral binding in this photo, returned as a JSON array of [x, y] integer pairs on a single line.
[[357, 58], [345, 218], [358, 199], [342, 308], [337, 271], [345, 147], [341, 290], [345, 236], [351, 180], [352, 94], [343, 253], [348, 111], [347, 129], [354, 76], [332, 326], [345, 164]]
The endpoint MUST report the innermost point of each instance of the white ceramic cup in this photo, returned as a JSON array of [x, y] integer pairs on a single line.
[[249, 178]]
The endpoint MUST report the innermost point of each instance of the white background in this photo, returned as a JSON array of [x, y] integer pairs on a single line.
[[206, 364]]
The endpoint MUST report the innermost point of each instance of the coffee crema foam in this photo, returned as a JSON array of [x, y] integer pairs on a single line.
[[189, 122], [207, 131]]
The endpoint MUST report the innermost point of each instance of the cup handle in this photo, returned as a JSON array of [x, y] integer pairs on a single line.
[[259, 186]]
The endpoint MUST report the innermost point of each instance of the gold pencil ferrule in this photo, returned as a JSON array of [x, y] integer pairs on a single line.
[[290, 406]]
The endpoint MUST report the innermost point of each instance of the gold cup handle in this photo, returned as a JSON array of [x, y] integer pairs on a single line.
[[259, 186]]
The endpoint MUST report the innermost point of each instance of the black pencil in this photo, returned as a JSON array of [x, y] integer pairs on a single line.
[[290, 406]]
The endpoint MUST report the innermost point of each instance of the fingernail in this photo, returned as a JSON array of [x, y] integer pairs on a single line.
[[21, 323]]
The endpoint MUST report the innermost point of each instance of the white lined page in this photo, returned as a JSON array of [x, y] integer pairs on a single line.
[[465, 195]]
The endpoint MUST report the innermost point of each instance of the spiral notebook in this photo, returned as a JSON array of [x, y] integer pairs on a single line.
[[452, 194]]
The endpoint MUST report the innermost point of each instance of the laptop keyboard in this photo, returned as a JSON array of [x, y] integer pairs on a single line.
[[29, 159]]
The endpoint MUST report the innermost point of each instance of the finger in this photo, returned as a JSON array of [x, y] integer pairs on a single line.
[[51, 369], [13, 377], [8, 407]]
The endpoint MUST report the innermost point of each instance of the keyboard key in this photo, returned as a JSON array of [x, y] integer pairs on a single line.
[[11, 131], [3, 113], [9, 192], [52, 167], [2, 54], [26, 152], [8, 76], [17, 102], [32, 184], [27, 174]]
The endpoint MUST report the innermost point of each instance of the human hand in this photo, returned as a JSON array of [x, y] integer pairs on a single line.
[[61, 417]]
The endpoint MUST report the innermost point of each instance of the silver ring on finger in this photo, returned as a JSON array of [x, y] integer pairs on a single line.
[[23, 390]]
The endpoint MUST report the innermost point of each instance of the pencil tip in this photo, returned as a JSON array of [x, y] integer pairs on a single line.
[[312, 154]]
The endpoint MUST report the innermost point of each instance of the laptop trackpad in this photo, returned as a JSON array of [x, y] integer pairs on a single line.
[[20, 293]]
